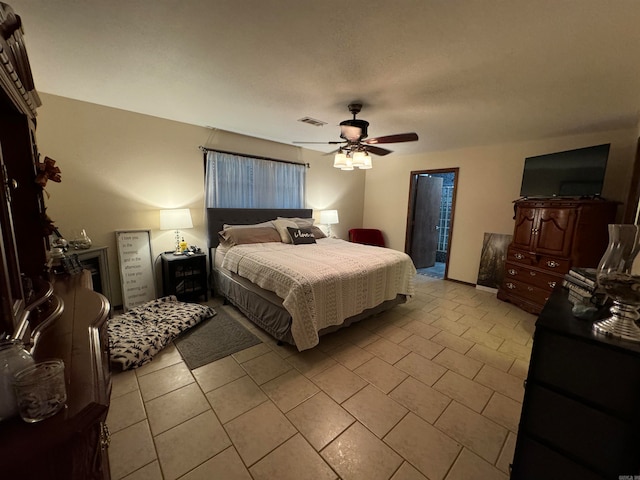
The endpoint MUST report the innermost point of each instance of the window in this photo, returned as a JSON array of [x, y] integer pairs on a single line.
[[235, 181]]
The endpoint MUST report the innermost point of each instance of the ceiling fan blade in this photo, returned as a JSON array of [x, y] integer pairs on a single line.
[[333, 152], [321, 143], [377, 150], [400, 137]]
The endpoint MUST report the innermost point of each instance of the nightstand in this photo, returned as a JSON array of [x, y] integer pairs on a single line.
[[184, 276]]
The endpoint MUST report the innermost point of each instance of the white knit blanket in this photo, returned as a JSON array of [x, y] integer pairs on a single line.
[[324, 283]]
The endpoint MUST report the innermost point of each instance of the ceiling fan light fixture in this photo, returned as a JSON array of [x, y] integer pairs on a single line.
[[358, 158], [356, 149], [340, 160], [367, 162], [349, 164]]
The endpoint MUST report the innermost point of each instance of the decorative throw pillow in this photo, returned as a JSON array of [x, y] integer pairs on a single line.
[[281, 225], [301, 236], [317, 232], [241, 236], [252, 225], [300, 222]]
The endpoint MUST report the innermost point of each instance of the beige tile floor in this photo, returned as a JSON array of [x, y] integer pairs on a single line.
[[430, 390]]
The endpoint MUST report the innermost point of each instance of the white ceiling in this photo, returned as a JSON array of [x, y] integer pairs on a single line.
[[459, 73]]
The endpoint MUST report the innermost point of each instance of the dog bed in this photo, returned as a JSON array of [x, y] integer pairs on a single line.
[[140, 333]]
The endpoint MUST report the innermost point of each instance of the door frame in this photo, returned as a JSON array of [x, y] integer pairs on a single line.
[[411, 206]]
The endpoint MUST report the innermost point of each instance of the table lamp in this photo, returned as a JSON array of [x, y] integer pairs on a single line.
[[176, 219], [328, 218]]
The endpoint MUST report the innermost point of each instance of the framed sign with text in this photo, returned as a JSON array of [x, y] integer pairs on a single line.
[[136, 267]]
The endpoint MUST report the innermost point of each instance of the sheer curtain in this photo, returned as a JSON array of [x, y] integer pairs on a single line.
[[234, 181]]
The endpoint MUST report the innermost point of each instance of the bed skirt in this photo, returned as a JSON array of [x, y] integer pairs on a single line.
[[264, 308]]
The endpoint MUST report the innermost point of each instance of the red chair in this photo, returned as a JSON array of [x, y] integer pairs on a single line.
[[367, 236]]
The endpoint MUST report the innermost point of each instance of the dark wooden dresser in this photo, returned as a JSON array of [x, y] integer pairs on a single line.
[[73, 443], [549, 237], [581, 410]]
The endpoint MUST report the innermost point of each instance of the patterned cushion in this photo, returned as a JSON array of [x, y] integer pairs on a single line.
[[301, 236], [138, 334]]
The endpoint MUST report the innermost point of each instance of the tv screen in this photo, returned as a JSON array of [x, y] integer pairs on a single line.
[[573, 173]]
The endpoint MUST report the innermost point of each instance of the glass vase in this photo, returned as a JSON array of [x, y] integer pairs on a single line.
[[619, 276], [13, 358], [80, 240]]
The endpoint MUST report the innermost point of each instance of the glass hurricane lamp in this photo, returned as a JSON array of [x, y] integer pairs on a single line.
[[619, 276]]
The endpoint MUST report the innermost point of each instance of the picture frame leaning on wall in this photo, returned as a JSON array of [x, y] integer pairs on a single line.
[[135, 267]]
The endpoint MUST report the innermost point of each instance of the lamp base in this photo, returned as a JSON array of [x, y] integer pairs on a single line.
[[621, 324]]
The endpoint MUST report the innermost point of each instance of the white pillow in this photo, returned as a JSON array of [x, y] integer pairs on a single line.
[[281, 225]]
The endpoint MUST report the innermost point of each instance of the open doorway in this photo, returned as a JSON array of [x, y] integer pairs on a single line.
[[432, 198]]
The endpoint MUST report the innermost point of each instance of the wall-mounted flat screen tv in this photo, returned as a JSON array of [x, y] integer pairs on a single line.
[[572, 173]]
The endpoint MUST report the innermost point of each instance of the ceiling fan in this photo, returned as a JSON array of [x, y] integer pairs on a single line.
[[355, 147]]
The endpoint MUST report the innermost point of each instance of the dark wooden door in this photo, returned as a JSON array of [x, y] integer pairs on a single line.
[[11, 293], [426, 218], [524, 228], [554, 231]]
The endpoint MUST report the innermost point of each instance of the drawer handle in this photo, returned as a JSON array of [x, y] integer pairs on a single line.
[[533, 274], [552, 284], [552, 264], [519, 256], [510, 285], [530, 289], [512, 271]]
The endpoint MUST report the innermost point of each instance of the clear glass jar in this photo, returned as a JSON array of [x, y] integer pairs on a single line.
[[40, 390], [13, 358]]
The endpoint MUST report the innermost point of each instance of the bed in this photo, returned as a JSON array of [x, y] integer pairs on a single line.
[[297, 291]]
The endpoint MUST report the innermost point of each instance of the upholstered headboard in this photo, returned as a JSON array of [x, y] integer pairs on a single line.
[[217, 217]]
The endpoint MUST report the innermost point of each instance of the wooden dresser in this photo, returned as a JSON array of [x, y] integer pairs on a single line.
[[55, 316], [580, 417], [550, 237], [70, 324]]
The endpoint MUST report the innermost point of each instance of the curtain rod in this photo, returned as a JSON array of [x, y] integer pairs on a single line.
[[207, 149]]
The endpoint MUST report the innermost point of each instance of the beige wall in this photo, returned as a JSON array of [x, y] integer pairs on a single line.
[[120, 168], [488, 182]]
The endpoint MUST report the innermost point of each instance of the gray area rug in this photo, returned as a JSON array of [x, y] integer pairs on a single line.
[[213, 339]]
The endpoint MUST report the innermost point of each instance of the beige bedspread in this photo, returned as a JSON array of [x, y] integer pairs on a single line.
[[324, 283]]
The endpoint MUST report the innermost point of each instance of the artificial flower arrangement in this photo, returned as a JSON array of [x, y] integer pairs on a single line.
[[47, 170]]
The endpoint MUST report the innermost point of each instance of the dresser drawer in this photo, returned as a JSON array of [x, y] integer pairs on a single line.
[[588, 436], [532, 276], [521, 256], [533, 461], [525, 290], [556, 265], [602, 376], [559, 266]]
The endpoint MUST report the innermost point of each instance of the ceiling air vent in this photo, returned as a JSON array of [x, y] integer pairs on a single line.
[[312, 121]]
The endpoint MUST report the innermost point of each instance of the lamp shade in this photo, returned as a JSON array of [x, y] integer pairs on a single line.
[[358, 159], [175, 219], [340, 160], [329, 217], [367, 163]]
